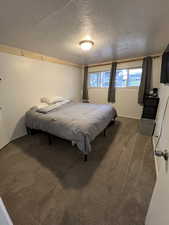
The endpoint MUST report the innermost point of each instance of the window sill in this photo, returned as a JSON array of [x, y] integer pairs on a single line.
[[133, 87], [97, 87]]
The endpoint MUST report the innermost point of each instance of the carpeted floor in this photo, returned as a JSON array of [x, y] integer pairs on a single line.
[[51, 185]]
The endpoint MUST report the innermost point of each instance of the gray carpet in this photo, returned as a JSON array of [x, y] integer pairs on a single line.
[[146, 126], [51, 185]]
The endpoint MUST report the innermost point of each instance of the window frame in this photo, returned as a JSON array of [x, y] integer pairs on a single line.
[[106, 70], [99, 78]]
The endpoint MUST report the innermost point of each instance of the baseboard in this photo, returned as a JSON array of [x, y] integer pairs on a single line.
[[18, 136], [13, 138], [130, 117]]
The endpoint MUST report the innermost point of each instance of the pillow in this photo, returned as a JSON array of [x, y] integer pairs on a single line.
[[52, 100], [40, 106], [56, 99], [49, 108]]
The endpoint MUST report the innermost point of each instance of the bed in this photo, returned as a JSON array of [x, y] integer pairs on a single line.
[[77, 122]]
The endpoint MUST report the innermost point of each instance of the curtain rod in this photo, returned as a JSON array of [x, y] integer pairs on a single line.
[[123, 60]]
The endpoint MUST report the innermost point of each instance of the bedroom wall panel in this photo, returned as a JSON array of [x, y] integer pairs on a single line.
[[25, 81], [126, 98]]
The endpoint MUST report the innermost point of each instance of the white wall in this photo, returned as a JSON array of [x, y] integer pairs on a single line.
[[126, 98], [25, 81]]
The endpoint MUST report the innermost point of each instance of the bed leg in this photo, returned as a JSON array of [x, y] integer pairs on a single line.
[[113, 122], [73, 143], [29, 131], [85, 157], [49, 139], [105, 132]]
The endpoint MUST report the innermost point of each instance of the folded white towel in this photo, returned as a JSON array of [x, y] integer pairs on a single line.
[[49, 108]]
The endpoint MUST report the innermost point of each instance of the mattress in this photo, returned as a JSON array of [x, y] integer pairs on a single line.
[[77, 122]]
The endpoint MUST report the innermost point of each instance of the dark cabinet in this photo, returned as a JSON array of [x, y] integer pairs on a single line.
[[150, 107]]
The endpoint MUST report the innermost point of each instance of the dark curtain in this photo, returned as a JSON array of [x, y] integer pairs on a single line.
[[145, 84], [165, 67], [111, 90], [85, 96]]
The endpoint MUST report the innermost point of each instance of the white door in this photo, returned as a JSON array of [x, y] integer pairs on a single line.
[[4, 139], [158, 213], [4, 216]]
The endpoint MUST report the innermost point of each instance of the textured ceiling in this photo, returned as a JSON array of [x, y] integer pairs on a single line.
[[119, 28]]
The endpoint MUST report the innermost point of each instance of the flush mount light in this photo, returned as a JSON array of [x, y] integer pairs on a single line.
[[86, 45]]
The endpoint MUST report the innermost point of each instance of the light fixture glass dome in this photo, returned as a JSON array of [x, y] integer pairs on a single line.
[[86, 45]]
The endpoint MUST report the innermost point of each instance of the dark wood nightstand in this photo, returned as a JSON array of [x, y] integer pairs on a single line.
[[150, 107]]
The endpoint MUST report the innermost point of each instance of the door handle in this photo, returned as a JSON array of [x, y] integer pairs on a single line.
[[164, 154]]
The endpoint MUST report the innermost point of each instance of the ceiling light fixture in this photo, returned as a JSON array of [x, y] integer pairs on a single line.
[[86, 45]]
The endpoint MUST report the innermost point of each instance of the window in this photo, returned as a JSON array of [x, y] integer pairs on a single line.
[[99, 79], [124, 78], [134, 77], [105, 77], [121, 78], [93, 79], [128, 77]]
